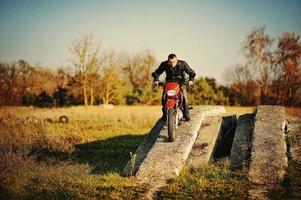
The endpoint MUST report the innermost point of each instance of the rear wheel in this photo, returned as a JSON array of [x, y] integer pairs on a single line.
[[171, 126]]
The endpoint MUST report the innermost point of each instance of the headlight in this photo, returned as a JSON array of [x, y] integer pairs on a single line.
[[171, 93]]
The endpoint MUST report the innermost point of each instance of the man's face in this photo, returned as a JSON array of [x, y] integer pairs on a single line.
[[172, 62]]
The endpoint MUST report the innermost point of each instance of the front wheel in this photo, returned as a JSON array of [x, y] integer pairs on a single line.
[[171, 127]]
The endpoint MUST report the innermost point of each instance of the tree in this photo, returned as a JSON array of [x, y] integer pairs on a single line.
[[60, 97], [6, 73], [29, 99], [113, 86], [242, 87], [258, 53], [206, 92], [44, 100], [138, 69], [287, 69], [14, 81], [75, 90], [278, 67], [87, 61], [62, 77], [42, 79]]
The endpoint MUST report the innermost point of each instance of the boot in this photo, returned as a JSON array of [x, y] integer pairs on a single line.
[[186, 113]]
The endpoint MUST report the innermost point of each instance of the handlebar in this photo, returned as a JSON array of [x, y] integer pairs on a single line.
[[159, 84]]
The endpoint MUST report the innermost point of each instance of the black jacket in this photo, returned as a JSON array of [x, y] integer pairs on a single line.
[[176, 73]]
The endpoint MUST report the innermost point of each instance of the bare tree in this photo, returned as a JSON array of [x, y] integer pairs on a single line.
[[87, 61], [242, 84], [258, 52]]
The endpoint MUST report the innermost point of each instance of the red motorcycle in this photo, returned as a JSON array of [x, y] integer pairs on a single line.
[[173, 107]]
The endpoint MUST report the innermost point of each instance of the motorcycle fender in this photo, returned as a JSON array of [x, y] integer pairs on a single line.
[[170, 103]]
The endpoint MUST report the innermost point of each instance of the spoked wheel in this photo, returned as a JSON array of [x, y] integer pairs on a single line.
[[171, 124]]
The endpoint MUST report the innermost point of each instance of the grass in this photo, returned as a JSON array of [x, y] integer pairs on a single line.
[[83, 158], [78, 160], [72, 181], [208, 182], [77, 182], [291, 185], [294, 175], [239, 110]]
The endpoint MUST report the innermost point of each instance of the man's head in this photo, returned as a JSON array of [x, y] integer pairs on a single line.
[[172, 60]]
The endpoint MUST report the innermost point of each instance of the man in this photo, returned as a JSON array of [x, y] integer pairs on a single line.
[[175, 71]]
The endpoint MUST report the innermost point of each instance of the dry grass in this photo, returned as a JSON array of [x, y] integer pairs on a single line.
[[86, 124], [96, 140], [79, 113], [208, 182], [239, 110], [77, 160]]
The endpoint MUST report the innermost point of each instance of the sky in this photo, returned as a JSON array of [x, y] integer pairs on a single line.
[[208, 35]]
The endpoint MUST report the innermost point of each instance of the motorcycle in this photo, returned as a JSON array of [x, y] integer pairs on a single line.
[[173, 107]]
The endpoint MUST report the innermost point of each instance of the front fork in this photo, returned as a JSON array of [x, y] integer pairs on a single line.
[[178, 116], [173, 104]]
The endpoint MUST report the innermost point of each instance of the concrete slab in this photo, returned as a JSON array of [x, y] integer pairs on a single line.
[[294, 147], [205, 144], [241, 145], [268, 155], [163, 160], [294, 128], [143, 149]]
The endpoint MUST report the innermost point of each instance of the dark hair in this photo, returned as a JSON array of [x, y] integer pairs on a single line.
[[172, 56]]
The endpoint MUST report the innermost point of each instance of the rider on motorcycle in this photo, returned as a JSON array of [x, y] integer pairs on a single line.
[[175, 71]]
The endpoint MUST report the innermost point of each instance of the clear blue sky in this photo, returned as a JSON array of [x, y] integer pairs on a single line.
[[207, 34]]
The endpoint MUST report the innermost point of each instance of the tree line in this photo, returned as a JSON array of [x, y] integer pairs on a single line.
[[128, 84], [271, 75]]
